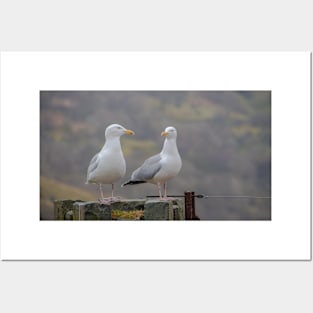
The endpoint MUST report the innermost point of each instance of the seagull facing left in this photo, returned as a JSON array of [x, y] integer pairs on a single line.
[[161, 167], [108, 165]]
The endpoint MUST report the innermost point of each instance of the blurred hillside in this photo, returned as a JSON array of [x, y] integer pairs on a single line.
[[224, 138], [51, 190]]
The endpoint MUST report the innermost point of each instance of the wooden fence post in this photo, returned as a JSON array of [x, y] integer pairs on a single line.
[[190, 207]]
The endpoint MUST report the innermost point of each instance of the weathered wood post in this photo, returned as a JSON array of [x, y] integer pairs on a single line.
[[75, 210], [190, 205], [164, 210]]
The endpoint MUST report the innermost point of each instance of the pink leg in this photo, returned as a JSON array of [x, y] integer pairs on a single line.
[[103, 200], [160, 191], [101, 192], [112, 195], [165, 191]]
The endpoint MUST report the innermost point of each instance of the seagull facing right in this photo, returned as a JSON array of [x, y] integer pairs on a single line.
[[162, 167], [108, 165]]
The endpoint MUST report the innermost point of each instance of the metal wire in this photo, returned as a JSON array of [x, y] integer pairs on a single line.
[[202, 196], [246, 197]]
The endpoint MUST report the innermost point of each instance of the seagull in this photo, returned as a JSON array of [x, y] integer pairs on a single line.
[[161, 167], [108, 165]]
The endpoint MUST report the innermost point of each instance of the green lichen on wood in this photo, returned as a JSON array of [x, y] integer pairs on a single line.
[[128, 204], [128, 209]]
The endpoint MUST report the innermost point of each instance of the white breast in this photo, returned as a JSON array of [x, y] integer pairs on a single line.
[[110, 169], [170, 167]]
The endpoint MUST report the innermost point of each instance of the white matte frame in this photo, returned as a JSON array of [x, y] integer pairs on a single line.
[[285, 237]]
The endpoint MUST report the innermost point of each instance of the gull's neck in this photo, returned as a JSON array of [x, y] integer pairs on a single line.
[[169, 146], [113, 142]]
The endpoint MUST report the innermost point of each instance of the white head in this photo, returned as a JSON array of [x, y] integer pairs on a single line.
[[116, 130], [170, 132]]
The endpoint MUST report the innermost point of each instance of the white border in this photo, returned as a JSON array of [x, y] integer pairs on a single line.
[[287, 236]]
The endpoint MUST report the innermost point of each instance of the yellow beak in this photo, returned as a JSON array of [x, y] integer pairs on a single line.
[[164, 133], [129, 132]]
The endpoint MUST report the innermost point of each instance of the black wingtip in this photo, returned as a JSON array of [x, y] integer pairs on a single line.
[[133, 182]]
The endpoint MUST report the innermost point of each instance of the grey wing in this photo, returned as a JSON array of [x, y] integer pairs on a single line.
[[148, 169], [93, 165]]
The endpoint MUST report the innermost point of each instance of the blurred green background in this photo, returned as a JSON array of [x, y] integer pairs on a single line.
[[224, 138]]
